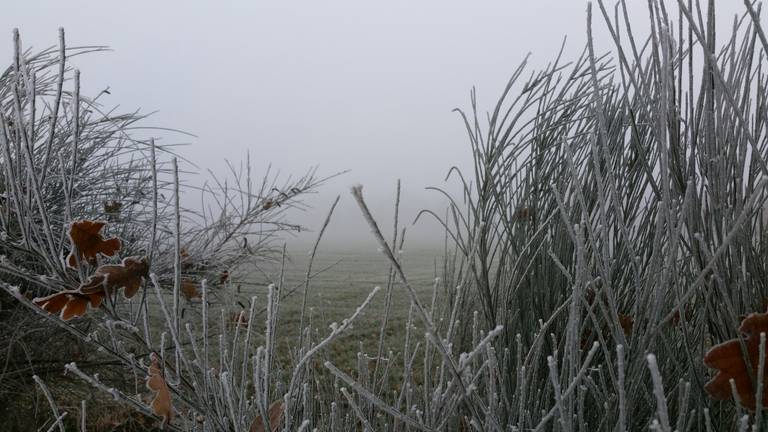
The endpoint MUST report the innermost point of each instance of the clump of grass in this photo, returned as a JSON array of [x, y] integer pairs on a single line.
[[610, 233], [623, 186], [65, 158]]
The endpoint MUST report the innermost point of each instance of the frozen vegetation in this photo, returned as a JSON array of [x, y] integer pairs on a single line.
[[604, 269]]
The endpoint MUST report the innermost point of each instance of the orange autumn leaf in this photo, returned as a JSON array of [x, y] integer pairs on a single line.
[[727, 358], [626, 322], [105, 280], [68, 304], [190, 291], [128, 275], [161, 402], [86, 239], [275, 414]]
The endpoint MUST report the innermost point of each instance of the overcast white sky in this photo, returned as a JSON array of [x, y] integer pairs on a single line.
[[365, 86]]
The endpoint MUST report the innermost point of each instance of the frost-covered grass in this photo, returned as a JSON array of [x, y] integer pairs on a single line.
[[343, 279], [611, 231]]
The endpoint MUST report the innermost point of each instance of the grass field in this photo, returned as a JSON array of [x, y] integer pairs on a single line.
[[342, 280]]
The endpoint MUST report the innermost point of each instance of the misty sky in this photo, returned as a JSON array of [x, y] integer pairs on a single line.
[[364, 86]]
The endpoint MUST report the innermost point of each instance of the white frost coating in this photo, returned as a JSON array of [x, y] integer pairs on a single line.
[[463, 359], [658, 391]]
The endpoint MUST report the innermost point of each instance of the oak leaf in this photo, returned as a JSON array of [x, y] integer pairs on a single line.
[[627, 323], [275, 414], [105, 280], [190, 291], [161, 402], [68, 304], [87, 242], [729, 361], [128, 275]]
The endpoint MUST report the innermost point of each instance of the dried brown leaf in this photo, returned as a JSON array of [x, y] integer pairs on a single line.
[[627, 323], [129, 275], [105, 280], [729, 361], [85, 237], [275, 413], [190, 290], [161, 402]]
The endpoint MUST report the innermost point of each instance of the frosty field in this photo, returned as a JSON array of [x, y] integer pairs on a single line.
[[345, 279]]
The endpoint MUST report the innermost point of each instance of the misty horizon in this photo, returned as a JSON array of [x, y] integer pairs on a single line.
[[369, 89]]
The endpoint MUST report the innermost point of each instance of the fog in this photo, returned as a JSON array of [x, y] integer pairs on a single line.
[[343, 85]]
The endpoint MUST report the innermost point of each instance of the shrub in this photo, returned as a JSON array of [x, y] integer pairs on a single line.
[[67, 160]]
